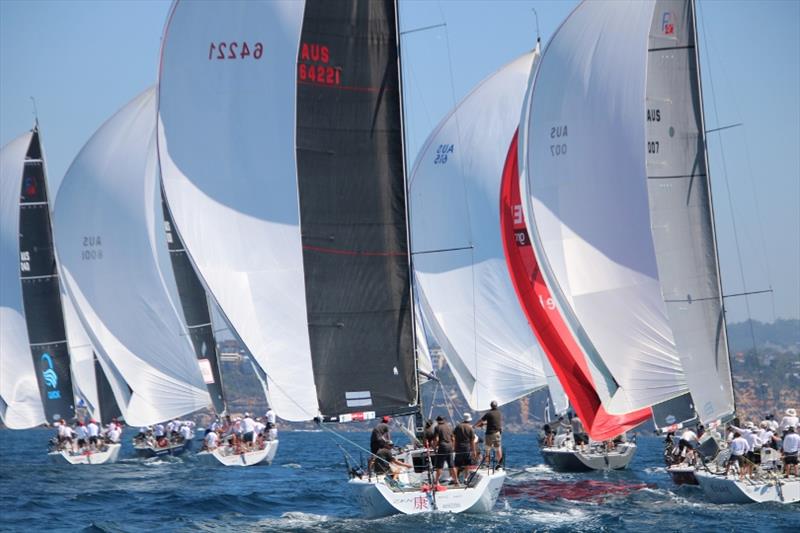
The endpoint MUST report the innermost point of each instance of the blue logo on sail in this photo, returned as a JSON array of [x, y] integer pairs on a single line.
[[50, 377]]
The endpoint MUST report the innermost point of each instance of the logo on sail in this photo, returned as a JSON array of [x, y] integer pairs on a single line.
[[667, 23], [50, 377]]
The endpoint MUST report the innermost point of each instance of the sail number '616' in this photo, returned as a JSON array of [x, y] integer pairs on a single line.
[[233, 50]]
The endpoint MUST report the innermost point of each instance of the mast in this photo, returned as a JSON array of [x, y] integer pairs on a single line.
[[419, 420]]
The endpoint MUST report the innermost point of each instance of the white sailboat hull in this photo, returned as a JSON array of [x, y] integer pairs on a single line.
[[251, 458], [379, 499], [729, 489], [107, 456]]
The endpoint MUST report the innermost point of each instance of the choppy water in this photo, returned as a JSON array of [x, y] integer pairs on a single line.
[[305, 490]]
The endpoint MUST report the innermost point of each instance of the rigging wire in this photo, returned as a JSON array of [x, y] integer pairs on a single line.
[[728, 188]]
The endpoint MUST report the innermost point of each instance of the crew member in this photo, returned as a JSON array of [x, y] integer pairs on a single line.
[[380, 435], [493, 420], [465, 446]]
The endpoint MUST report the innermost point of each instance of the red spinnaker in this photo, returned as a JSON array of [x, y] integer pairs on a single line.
[[555, 337]]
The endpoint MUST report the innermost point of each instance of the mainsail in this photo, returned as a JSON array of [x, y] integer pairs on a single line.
[[465, 287], [681, 212], [114, 257], [32, 317], [196, 313]]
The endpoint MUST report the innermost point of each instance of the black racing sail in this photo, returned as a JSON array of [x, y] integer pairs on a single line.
[[41, 294], [109, 408], [353, 210], [194, 303]]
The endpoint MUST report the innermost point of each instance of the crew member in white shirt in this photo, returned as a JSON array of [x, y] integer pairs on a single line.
[[185, 432], [248, 426], [158, 431], [739, 448], [83, 435], [791, 449], [272, 425], [789, 420], [211, 440], [114, 433], [687, 444], [94, 432]]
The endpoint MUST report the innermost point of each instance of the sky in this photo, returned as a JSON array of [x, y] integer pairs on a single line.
[[83, 60]]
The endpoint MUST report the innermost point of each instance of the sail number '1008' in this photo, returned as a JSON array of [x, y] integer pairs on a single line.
[[233, 50]]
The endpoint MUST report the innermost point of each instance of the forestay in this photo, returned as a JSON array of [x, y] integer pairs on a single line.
[[680, 209], [459, 259], [584, 186], [114, 255], [226, 139], [20, 403]]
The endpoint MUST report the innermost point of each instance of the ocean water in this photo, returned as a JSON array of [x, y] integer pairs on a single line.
[[305, 490]]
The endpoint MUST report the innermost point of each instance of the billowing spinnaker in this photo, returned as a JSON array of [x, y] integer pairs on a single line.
[[226, 139], [681, 212], [113, 250], [20, 404], [459, 260], [559, 343], [584, 187]]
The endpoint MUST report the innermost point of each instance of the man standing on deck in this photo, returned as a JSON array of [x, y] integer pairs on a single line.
[[380, 435], [791, 449], [493, 420], [466, 450], [272, 425], [443, 442]]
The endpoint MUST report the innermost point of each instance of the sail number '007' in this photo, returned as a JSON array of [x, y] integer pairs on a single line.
[[234, 50], [558, 133]]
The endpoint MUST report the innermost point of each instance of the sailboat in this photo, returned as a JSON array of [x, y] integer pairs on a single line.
[[94, 392], [617, 202], [35, 379], [115, 262], [282, 159]]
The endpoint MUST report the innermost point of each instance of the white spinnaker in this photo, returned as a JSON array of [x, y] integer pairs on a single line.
[[584, 186], [111, 243], [459, 260], [20, 402], [680, 209], [226, 138]]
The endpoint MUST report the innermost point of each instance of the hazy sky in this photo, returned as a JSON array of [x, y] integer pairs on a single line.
[[83, 60]]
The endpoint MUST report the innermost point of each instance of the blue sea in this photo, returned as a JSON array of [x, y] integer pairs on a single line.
[[305, 490]]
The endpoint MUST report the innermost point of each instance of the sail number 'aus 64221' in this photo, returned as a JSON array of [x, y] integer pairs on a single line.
[[234, 50]]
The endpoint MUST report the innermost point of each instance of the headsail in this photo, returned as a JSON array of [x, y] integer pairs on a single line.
[[115, 261], [458, 244], [226, 125], [681, 213], [583, 173], [563, 352]]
